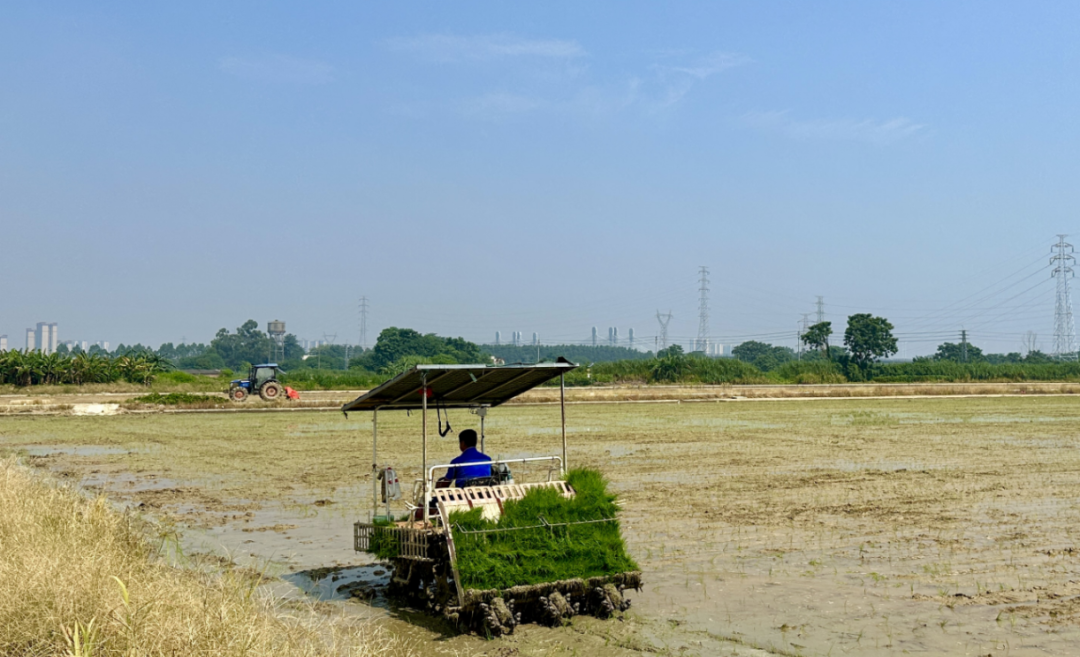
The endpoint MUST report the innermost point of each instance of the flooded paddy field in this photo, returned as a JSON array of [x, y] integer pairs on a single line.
[[808, 527]]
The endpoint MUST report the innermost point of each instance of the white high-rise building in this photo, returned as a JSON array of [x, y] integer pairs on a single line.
[[31, 339], [3, 343], [46, 338]]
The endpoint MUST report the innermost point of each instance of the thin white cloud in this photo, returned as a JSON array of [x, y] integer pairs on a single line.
[[676, 81], [453, 48], [865, 130], [499, 104], [552, 76], [278, 69], [711, 64]]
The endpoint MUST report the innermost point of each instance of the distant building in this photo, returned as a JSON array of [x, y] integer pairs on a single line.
[[31, 340], [46, 338], [3, 343]]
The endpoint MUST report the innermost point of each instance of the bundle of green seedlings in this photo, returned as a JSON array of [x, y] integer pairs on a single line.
[[544, 544], [384, 544]]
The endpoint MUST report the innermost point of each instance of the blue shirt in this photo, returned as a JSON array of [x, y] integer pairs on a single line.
[[471, 455]]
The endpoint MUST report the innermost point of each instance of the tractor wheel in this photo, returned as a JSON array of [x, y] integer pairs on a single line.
[[270, 391], [238, 394]]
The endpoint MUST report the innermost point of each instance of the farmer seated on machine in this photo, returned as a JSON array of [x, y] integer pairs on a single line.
[[464, 475]]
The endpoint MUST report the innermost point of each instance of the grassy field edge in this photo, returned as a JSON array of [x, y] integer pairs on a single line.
[[78, 577]]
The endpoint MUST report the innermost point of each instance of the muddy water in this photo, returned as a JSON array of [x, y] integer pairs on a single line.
[[305, 543], [856, 528]]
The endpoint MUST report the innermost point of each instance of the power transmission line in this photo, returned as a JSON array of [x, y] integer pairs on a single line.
[[1063, 319], [329, 339], [702, 343], [804, 326], [664, 321], [363, 323]]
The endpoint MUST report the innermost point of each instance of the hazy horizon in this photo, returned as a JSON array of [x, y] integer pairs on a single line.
[[167, 171]]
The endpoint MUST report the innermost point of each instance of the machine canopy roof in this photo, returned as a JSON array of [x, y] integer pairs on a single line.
[[458, 386]]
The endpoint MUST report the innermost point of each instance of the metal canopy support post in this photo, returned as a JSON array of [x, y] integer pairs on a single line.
[[374, 463], [482, 412], [423, 430], [562, 411]]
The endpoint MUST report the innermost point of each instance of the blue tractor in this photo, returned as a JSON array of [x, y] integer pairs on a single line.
[[262, 380]]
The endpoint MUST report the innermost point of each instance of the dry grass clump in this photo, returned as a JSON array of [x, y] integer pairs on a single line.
[[78, 578]]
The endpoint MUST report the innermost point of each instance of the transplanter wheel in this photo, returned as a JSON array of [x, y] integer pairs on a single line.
[[270, 390], [238, 394]]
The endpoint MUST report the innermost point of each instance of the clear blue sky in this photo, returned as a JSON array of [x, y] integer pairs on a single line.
[[167, 169]]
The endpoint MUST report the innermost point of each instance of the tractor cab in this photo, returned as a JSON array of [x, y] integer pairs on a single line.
[[262, 380], [260, 374]]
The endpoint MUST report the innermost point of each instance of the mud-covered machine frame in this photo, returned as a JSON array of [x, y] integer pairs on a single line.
[[425, 568]]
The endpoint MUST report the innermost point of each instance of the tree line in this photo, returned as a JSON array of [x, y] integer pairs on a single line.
[[28, 368], [866, 342]]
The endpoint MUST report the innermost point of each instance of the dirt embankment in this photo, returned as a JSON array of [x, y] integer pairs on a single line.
[[112, 403]]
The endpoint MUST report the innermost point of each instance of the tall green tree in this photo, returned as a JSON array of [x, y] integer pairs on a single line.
[[762, 355], [673, 350], [959, 353], [394, 343], [869, 338], [817, 336], [247, 345]]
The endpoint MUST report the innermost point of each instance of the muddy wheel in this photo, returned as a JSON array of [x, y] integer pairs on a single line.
[[498, 618], [238, 394], [270, 391]]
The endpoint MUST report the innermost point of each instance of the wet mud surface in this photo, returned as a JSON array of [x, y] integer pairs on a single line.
[[856, 527]]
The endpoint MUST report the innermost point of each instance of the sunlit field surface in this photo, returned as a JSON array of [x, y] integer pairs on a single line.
[[947, 526]]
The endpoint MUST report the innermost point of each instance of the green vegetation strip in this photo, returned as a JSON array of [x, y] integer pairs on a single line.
[[28, 368], [178, 399], [543, 537]]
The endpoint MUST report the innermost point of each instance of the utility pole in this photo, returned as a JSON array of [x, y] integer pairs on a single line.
[[963, 346], [820, 309], [803, 327], [329, 340], [703, 310], [363, 323], [1063, 320], [1031, 342], [664, 321]]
